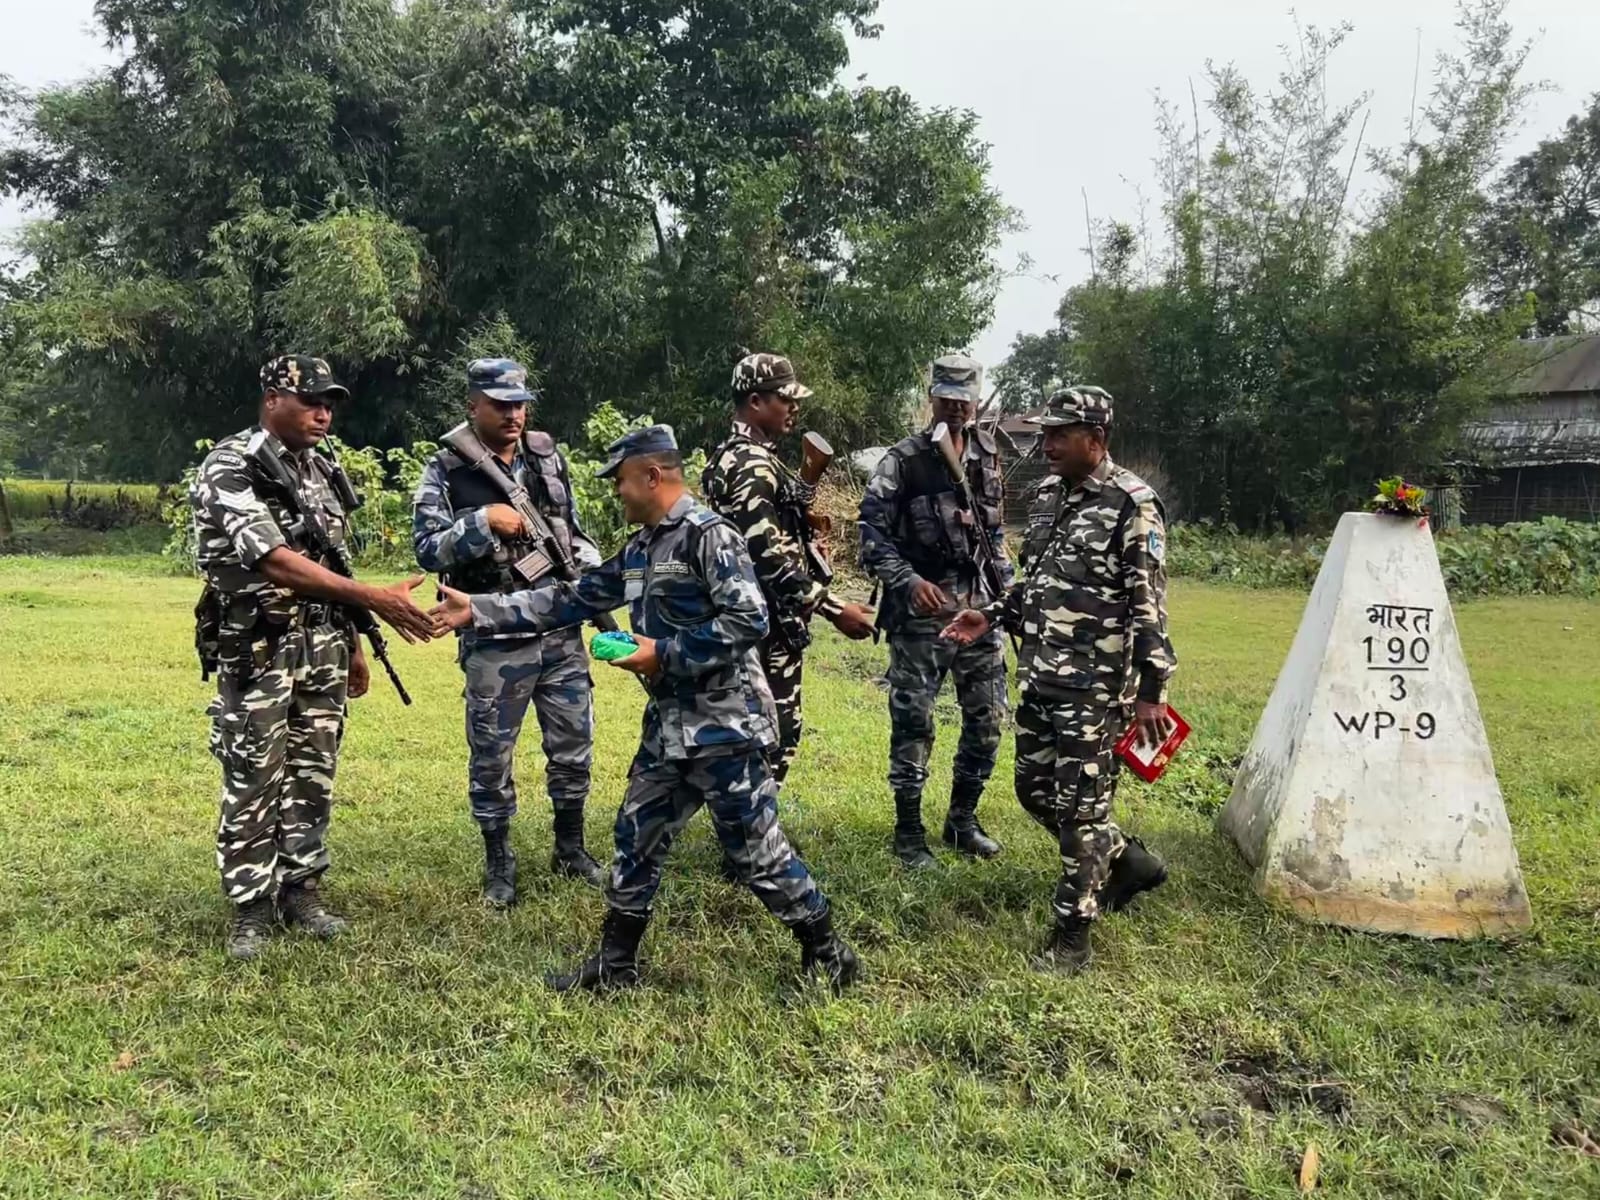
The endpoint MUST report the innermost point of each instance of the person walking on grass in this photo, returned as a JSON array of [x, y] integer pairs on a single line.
[[708, 725], [1092, 615]]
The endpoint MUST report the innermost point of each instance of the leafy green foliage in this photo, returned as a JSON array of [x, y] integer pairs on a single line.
[[1552, 557], [623, 195], [1541, 234], [1277, 349]]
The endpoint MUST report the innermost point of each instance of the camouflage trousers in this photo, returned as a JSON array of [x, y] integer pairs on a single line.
[[502, 679], [783, 666], [1066, 776], [918, 664], [277, 737], [743, 798]]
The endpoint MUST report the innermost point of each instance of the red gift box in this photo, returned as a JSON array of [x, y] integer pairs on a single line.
[[1142, 760]]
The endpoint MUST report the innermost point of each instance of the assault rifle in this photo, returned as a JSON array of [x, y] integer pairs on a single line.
[[988, 560], [816, 454], [319, 541], [548, 556]]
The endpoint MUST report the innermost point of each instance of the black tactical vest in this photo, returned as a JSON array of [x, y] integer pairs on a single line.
[[550, 489], [931, 534]]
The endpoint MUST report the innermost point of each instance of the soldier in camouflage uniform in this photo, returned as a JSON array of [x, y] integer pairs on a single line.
[[920, 542], [463, 529], [272, 627], [760, 496], [699, 618], [1091, 612]]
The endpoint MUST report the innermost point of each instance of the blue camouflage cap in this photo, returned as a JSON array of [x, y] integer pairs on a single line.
[[957, 377], [653, 439], [501, 379]]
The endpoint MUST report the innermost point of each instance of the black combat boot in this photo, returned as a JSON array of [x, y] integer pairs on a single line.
[[499, 868], [1068, 950], [301, 904], [1135, 870], [616, 963], [569, 857], [961, 829], [252, 926], [910, 841], [821, 947]]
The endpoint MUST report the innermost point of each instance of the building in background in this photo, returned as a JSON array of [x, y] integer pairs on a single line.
[[1536, 452]]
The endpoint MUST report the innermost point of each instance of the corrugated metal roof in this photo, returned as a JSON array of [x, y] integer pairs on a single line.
[[1536, 433], [1556, 366]]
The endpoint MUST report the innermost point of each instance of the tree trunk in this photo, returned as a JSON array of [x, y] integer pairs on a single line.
[[7, 529]]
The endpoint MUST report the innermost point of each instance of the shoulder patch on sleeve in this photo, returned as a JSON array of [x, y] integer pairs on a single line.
[[1156, 544]]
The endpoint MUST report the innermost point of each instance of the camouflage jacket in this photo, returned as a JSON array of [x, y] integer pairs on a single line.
[[1091, 606], [450, 532], [237, 523], [689, 584], [751, 487], [914, 526]]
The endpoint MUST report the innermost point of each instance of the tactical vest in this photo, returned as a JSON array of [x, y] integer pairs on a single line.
[[930, 533], [468, 489]]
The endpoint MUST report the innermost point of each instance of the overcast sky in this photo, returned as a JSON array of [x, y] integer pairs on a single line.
[[1064, 90]]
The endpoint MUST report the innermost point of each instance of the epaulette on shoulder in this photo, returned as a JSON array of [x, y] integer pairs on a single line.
[[701, 515], [537, 441], [986, 442], [907, 446], [1138, 490]]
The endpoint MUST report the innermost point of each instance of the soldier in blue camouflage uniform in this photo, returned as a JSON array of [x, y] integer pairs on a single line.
[[755, 490], [920, 542], [698, 615], [1091, 612], [270, 624], [463, 529]]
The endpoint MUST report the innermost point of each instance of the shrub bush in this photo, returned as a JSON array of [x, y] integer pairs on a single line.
[[1549, 557]]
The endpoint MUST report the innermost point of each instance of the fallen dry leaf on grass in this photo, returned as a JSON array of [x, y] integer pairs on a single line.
[[1309, 1166], [123, 1061]]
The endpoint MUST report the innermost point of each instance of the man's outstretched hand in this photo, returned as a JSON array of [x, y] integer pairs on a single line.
[[969, 625], [454, 611], [395, 606]]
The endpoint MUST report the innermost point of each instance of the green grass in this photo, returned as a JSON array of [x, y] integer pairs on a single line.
[[31, 498], [1212, 1042]]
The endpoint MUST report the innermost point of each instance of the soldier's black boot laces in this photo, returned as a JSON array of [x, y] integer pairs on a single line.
[[301, 905], [1134, 871], [569, 857], [821, 947], [1068, 950], [910, 840], [616, 963], [252, 926], [499, 868], [961, 829]]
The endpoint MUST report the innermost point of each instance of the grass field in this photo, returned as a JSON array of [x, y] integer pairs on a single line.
[[1211, 1044]]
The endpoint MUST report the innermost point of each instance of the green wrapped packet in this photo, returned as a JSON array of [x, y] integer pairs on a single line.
[[610, 646]]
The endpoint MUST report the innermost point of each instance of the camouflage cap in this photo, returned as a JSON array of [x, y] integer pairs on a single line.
[[767, 373], [500, 379], [958, 377], [302, 375], [1076, 406], [653, 439]]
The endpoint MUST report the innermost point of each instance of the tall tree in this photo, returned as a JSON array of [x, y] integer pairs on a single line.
[[1541, 233]]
